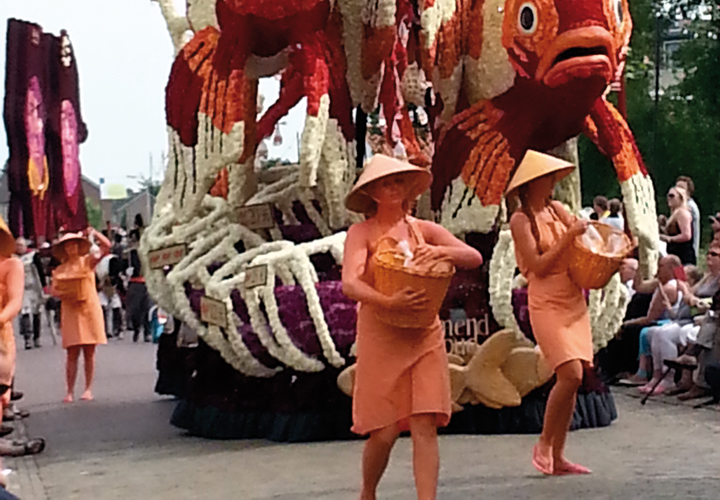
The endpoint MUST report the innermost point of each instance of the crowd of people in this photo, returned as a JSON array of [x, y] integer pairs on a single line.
[[670, 340], [82, 282]]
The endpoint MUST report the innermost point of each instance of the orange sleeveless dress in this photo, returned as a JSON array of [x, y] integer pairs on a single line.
[[7, 336], [400, 371], [81, 317], [558, 310]]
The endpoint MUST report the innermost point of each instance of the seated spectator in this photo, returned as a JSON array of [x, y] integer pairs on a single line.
[[665, 340], [666, 300], [614, 217], [600, 208], [715, 225], [628, 270]]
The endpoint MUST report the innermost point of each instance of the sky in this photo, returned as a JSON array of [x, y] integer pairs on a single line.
[[124, 55]]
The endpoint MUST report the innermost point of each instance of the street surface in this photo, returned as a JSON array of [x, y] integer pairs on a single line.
[[121, 446]]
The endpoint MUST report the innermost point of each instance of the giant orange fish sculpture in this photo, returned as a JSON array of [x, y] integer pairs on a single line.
[[515, 75]]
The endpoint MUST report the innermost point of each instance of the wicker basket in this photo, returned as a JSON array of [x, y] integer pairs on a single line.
[[590, 270], [391, 276]]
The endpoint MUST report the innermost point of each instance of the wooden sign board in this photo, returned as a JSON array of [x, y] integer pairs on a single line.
[[257, 216], [167, 256], [256, 276], [213, 312]]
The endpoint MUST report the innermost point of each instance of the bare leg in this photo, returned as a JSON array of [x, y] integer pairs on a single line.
[[558, 414], [375, 459], [426, 457], [71, 365], [89, 357]]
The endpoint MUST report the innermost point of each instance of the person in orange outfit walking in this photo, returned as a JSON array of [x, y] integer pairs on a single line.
[[401, 379], [82, 324], [543, 231]]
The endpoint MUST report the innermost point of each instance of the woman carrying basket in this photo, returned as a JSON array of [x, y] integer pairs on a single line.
[[82, 323], [542, 232], [401, 379]]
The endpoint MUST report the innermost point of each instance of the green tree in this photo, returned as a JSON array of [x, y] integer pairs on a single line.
[[685, 140], [94, 214]]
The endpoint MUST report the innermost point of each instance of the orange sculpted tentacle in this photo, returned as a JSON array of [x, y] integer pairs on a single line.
[[614, 138]]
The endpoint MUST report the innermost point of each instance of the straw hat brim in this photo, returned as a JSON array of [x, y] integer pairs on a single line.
[[58, 249], [359, 200], [535, 165]]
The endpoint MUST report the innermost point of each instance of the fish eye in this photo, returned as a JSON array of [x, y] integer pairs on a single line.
[[619, 14], [528, 18]]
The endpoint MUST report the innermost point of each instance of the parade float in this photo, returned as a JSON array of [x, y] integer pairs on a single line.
[[248, 257], [45, 128]]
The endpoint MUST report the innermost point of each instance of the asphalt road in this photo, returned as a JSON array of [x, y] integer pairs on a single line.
[[121, 446]]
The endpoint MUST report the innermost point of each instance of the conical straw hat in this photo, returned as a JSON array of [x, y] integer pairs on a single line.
[[58, 248], [536, 165], [358, 200], [7, 240]]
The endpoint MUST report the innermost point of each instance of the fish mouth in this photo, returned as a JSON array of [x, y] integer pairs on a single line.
[[580, 53]]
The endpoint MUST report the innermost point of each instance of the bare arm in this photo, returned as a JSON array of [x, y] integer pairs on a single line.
[[354, 261], [15, 280], [642, 285], [526, 245], [102, 242], [461, 254], [658, 306]]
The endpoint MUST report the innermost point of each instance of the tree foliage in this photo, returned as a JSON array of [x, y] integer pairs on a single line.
[[681, 136], [94, 214]]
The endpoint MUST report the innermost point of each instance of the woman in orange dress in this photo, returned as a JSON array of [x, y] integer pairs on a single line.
[[542, 231], [401, 379], [81, 320]]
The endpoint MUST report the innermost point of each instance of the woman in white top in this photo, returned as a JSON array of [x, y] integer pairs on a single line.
[[615, 218]]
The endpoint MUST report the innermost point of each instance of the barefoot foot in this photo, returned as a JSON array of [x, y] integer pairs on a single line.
[[563, 468], [87, 396], [68, 398], [542, 459]]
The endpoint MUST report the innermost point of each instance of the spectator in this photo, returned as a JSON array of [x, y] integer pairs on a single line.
[[600, 208], [614, 217], [628, 270], [33, 300], [665, 340], [138, 299], [110, 287], [679, 227], [118, 249], [715, 224], [665, 302], [688, 185]]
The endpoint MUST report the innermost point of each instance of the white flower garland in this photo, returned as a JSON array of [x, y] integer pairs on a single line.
[[336, 174], [607, 311], [501, 274], [639, 200], [190, 176], [364, 93], [311, 143]]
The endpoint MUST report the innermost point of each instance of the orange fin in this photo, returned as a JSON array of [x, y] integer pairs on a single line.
[[472, 146]]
